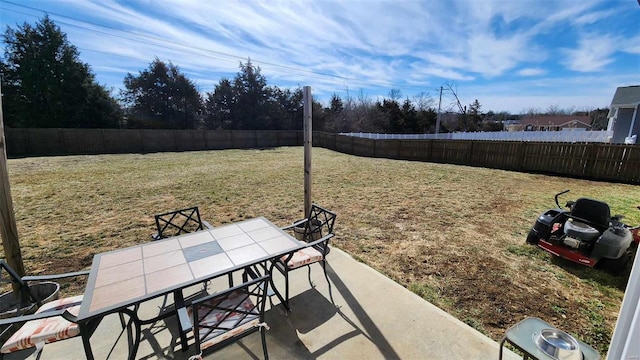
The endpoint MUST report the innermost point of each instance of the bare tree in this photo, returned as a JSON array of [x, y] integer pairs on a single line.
[[423, 101], [362, 109], [395, 94], [349, 113], [358, 113], [453, 89], [553, 110], [532, 112], [582, 110]]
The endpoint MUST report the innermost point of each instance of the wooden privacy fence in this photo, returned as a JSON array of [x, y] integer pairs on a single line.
[[38, 142], [605, 162]]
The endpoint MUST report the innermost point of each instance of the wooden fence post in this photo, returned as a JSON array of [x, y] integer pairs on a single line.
[[521, 155], [308, 143], [63, 144], [8, 227], [470, 154], [591, 170]]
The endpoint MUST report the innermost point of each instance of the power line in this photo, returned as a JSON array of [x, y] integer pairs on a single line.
[[218, 55], [208, 53]]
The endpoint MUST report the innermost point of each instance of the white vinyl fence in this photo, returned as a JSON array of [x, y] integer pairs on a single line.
[[536, 136]]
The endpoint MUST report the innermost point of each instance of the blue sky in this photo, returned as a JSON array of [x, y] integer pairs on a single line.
[[510, 55]]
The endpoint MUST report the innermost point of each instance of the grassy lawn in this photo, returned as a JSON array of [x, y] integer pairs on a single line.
[[452, 234]]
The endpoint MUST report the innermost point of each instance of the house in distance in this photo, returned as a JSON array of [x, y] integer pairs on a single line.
[[624, 115]]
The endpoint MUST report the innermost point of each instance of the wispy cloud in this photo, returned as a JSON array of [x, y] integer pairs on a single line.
[[373, 45], [595, 16], [592, 54], [631, 45], [532, 72]]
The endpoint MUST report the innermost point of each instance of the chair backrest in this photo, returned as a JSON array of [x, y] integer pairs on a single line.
[[224, 317], [319, 223], [178, 222], [594, 211]]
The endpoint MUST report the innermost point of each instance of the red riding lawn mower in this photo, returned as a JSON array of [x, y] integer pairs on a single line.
[[586, 234]]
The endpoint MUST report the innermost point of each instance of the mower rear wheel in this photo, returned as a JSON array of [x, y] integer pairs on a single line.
[[532, 237], [620, 265]]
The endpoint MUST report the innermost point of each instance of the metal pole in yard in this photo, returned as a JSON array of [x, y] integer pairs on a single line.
[[308, 143], [8, 227]]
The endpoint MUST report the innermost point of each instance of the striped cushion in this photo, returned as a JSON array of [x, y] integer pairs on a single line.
[[45, 330], [234, 321], [303, 257]]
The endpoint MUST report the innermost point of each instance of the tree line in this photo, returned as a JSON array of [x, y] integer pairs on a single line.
[[45, 85]]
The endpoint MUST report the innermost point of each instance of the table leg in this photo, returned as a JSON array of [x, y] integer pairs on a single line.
[[273, 286], [87, 328], [137, 332], [85, 333], [178, 298], [501, 345]]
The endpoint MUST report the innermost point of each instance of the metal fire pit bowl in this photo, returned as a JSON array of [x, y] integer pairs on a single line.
[[45, 292], [558, 344]]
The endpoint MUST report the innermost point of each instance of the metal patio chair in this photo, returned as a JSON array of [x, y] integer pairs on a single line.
[[52, 321], [225, 317], [177, 222], [316, 230]]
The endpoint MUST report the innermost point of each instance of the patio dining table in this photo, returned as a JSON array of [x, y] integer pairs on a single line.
[[121, 279]]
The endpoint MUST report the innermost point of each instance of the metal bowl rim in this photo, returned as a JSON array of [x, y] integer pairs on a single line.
[[575, 353]]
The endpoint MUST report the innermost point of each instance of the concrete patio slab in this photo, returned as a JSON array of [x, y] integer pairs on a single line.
[[373, 318]]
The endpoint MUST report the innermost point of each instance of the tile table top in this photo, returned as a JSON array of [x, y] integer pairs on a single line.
[[121, 278]]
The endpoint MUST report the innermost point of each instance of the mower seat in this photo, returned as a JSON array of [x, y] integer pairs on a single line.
[[592, 212], [580, 231]]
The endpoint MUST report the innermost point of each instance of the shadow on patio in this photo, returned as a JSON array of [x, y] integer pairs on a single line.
[[373, 318]]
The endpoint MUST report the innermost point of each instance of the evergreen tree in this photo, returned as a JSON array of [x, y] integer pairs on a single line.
[[219, 106], [45, 84], [161, 97], [334, 114], [395, 119], [286, 109], [411, 117], [335, 105], [427, 119], [252, 95], [599, 119], [475, 115]]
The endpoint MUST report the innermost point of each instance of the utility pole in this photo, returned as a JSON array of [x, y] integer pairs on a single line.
[[8, 228], [438, 118]]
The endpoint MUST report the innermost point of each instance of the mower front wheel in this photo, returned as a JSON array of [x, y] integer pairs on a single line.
[[532, 237]]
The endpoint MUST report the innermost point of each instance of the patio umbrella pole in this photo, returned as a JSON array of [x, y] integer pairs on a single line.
[[307, 130], [8, 227]]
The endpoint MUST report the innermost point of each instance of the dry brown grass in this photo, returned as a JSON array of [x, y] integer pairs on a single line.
[[453, 234]]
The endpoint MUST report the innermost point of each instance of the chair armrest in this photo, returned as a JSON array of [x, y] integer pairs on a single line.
[[55, 276], [25, 318], [324, 239], [321, 240], [295, 223], [69, 316], [7, 325], [222, 294], [207, 225]]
